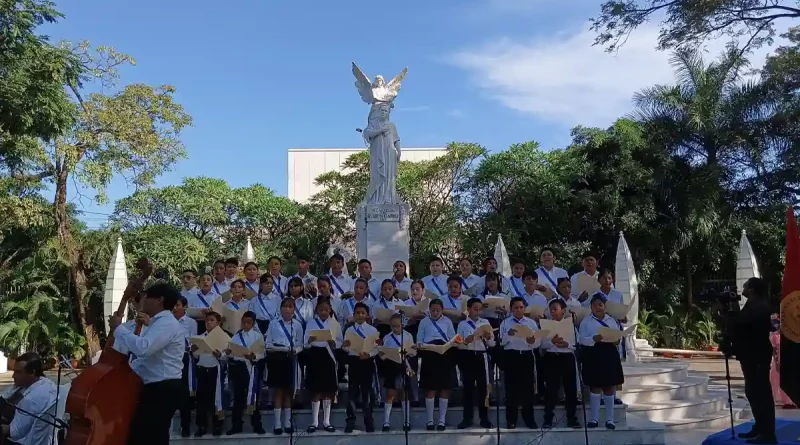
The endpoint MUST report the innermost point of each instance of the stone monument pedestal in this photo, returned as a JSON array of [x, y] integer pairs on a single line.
[[382, 236]]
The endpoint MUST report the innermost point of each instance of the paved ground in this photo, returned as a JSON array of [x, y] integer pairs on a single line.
[[713, 367]]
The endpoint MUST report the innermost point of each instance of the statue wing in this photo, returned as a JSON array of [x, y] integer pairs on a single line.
[[363, 84], [394, 84]]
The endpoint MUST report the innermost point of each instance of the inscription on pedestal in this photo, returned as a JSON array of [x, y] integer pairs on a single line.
[[383, 213]]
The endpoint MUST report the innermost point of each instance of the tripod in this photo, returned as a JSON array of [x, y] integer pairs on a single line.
[[584, 399]]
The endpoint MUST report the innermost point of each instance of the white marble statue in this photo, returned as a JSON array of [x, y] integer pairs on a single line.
[[381, 136]]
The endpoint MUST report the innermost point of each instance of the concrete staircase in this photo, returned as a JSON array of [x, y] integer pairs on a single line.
[[665, 392]]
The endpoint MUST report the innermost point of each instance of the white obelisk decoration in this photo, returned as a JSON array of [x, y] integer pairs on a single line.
[[746, 265], [501, 256], [382, 234], [248, 254], [116, 282], [628, 285]]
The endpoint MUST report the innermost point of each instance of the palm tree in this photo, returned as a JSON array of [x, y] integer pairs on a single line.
[[705, 126]]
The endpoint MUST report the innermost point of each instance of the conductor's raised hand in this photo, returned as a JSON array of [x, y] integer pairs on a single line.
[[114, 321]]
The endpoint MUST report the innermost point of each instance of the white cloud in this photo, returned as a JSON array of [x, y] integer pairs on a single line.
[[566, 80], [413, 108]]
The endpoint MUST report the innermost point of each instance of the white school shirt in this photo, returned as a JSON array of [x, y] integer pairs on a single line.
[[517, 343], [206, 360], [548, 346], [467, 328], [469, 281], [263, 306], [504, 285], [535, 299], [336, 304], [316, 324], [303, 310], [220, 288], [189, 326], [404, 284], [340, 285], [516, 287], [412, 302], [437, 285], [246, 339], [373, 287], [450, 303], [383, 303], [244, 303], [590, 326], [120, 346], [366, 330], [550, 277], [185, 293], [39, 399], [614, 296], [276, 337], [159, 349], [400, 341], [574, 281], [280, 286], [428, 333], [308, 278], [200, 300], [348, 307]]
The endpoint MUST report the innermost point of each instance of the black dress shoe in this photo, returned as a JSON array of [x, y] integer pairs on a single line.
[[763, 440], [752, 434], [617, 401], [430, 426], [511, 426], [186, 433], [466, 423], [329, 428], [406, 427], [441, 427], [200, 432], [592, 424], [386, 428], [574, 424], [277, 431], [216, 432], [349, 428], [233, 431], [259, 430], [532, 425], [486, 424], [369, 428], [288, 430]]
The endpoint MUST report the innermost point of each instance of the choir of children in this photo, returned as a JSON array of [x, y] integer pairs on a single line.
[[313, 329]]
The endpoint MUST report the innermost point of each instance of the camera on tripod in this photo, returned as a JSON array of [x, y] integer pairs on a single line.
[[727, 297]]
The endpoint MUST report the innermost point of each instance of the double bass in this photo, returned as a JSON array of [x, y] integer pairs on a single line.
[[103, 398]]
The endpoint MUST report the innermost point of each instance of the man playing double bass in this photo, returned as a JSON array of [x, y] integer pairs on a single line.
[[158, 361], [32, 423]]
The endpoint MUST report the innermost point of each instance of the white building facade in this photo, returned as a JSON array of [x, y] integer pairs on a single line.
[[306, 164]]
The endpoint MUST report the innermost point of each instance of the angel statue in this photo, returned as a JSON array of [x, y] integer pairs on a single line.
[[381, 136]]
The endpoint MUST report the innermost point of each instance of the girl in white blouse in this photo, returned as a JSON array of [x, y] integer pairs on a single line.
[[602, 368], [284, 341], [437, 371], [321, 375], [400, 277]]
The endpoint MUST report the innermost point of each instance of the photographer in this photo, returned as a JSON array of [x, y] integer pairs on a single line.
[[750, 331]]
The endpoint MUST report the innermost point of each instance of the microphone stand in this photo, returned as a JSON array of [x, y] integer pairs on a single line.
[[292, 359], [496, 372], [580, 379], [404, 404]]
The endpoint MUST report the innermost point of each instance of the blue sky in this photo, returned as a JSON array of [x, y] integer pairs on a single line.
[[259, 77]]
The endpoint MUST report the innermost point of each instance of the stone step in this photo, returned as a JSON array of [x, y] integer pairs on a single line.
[[643, 434], [302, 417], [655, 372], [679, 409], [693, 386]]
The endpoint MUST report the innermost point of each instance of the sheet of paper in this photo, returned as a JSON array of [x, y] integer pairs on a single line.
[[238, 350], [580, 312], [483, 329], [588, 284], [611, 335], [441, 349], [233, 319], [535, 311], [616, 310], [492, 304], [453, 314], [218, 339], [202, 344], [358, 344], [564, 329], [320, 335], [403, 295], [382, 315], [197, 312], [393, 354], [258, 346]]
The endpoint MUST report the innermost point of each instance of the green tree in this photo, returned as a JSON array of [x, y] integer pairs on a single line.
[[689, 22]]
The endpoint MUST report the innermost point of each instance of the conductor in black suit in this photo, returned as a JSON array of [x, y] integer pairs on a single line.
[[752, 348]]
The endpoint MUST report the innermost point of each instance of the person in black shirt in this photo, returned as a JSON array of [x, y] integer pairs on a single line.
[[752, 348]]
